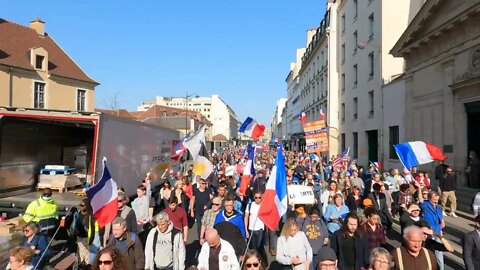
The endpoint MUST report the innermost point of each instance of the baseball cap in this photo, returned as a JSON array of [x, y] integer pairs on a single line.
[[326, 254]]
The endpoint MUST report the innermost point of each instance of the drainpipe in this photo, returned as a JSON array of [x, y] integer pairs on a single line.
[[10, 88]]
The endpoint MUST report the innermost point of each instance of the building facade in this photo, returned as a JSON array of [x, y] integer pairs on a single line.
[[293, 108], [277, 123], [35, 72], [318, 76], [366, 30], [218, 112], [441, 47]]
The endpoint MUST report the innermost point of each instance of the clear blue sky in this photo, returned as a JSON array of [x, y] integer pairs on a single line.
[[240, 50]]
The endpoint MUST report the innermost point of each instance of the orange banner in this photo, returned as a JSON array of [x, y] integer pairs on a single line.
[[316, 137]]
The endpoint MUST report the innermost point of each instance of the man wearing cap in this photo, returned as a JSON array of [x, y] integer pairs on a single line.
[[43, 211], [327, 259]]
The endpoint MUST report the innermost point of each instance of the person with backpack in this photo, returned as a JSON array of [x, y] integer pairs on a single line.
[[164, 248], [127, 243]]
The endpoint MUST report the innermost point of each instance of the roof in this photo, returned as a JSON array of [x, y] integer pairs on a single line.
[[434, 17], [219, 138], [120, 113], [16, 41]]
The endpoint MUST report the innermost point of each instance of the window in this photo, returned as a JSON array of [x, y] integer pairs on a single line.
[[371, 64], [355, 108], [343, 53], [355, 75], [394, 138], [343, 82], [343, 23], [164, 113], [371, 24], [371, 103], [39, 61], [355, 144], [355, 11], [343, 112], [343, 141], [175, 114], [39, 95], [355, 41], [81, 100]]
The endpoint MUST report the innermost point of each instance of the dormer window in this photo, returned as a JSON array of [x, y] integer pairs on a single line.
[[39, 61]]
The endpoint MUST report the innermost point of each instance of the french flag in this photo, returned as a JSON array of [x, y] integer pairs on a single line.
[[178, 151], [417, 153], [103, 197], [302, 117], [322, 114], [274, 204], [248, 170], [252, 128]]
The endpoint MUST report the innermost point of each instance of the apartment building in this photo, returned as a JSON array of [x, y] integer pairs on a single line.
[[218, 112], [318, 75], [35, 72], [366, 31], [277, 120]]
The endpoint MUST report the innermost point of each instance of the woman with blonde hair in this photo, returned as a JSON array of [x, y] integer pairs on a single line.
[[380, 259], [20, 258], [293, 248]]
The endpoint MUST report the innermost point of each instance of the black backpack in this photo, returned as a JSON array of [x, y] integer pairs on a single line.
[[173, 233]]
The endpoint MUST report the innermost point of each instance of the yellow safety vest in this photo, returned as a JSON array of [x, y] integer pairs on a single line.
[[41, 210]]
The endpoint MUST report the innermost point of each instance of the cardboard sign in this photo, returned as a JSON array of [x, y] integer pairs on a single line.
[[300, 194]]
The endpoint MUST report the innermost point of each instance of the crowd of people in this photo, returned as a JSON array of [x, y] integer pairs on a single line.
[[345, 227]]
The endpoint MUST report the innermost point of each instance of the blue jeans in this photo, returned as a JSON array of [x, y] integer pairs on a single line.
[[257, 242], [314, 264], [439, 256]]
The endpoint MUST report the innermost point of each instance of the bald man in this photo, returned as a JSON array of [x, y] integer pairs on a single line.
[[216, 253]]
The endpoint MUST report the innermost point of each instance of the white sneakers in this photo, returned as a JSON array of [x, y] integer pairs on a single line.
[[444, 214], [453, 214]]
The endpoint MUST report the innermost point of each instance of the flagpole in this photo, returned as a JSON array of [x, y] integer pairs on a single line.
[[248, 243]]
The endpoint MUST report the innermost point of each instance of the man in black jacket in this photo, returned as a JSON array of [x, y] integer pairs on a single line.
[[380, 203], [350, 245], [448, 186], [471, 247]]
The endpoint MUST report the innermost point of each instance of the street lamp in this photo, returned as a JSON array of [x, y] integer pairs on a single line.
[[187, 95]]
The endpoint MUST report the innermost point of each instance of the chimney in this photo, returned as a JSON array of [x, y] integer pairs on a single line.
[[38, 25]]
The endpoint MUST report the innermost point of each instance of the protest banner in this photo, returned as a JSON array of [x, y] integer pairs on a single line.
[[316, 138], [298, 194]]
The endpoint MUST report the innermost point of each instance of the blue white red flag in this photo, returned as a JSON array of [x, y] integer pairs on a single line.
[[322, 114], [377, 165], [302, 117], [252, 128], [179, 149], [248, 170], [103, 198], [416, 153], [274, 204]]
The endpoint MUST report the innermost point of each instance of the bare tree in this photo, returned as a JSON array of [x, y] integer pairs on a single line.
[[113, 102]]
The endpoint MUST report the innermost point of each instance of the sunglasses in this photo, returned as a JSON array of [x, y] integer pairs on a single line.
[[107, 262], [82, 205], [202, 183], [216, 204], [258, 197], [249, 265]]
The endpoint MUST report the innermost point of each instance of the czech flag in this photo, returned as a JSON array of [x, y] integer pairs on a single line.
[[322, 114], [248, 170], [252, 128], [302, 117], [103, 197], [274, 204], [417, 153]]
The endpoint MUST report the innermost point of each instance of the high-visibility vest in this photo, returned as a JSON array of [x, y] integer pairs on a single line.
[[42, 211]]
